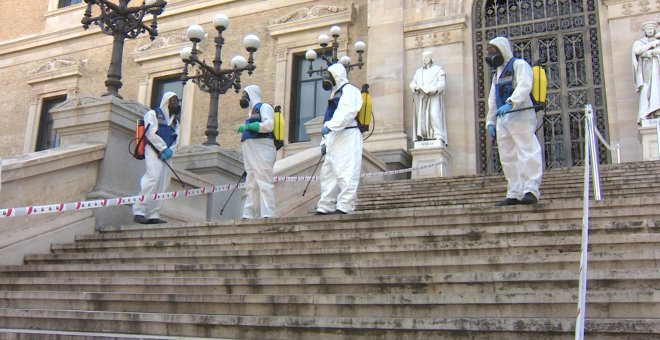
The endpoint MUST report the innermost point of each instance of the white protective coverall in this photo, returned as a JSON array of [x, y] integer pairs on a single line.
[[157, 176], [520, 151], [340, 173], [259, 159]]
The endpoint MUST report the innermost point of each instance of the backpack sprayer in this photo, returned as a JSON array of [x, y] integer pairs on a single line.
[[140, 143], [539, 89]]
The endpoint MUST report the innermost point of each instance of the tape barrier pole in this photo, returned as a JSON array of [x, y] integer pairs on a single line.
[[109, 202]]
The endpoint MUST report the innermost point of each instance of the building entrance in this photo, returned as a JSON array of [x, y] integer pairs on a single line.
[[562, 35]]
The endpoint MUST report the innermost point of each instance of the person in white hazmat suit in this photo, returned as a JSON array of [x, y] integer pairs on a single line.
[[519, 149], [341, 144], [259, 154], [161, 131]]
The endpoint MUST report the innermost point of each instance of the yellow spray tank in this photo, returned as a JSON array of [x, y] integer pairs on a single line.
[[278, 129], [365, 114], [540, 87]]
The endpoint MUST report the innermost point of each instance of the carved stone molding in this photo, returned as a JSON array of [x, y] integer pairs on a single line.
[[624, 8], [166, 45], [71, 93], [305, 19], [281, 54], [72, 102], [55, 69], [163, 41], [435, 32], [144, 79], [311, 13]]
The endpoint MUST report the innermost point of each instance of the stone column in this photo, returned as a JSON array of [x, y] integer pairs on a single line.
[[385, 58]]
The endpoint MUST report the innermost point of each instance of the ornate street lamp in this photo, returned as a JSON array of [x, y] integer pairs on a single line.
[[324, 40], [121, 22], [214, 79]]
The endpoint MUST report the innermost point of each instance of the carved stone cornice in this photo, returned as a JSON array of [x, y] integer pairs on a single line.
[[165, 45], [308, 18], [55, 69], [625, 8], [435, 32]]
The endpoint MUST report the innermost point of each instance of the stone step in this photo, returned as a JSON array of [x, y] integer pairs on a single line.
[[241, 326], [608, 186], [564, 212], [34, 334], [637, 258], [477, 197], [633, 304], [424, 259], [415, 232], [572, 174], [491, 183], [400, 249], [436, 283], [608, 190]]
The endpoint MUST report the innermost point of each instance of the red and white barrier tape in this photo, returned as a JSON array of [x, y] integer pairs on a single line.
[[82, 205]]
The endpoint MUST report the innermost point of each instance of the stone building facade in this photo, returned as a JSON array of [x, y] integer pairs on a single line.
[[45, 56]]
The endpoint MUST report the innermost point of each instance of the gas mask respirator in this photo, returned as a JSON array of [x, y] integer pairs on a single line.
[[328, 81], [175, 110], [494, 59], [244, 102]]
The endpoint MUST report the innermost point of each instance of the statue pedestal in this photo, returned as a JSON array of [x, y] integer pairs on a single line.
[[430, 152], [648, 137]]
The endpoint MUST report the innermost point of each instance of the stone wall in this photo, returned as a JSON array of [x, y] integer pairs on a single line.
[[92, 48], [396, 33], [21, 18]]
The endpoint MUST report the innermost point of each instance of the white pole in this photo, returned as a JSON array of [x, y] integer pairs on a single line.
[[582, 296], [657, 133], [595, 166], [618, 153]]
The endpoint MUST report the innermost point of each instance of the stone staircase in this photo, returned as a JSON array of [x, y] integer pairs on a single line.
[[421, 259]]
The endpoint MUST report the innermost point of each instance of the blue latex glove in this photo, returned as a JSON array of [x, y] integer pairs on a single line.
[[166, 154], [323, 150], [503, 110], [324, 130], [491, 130]]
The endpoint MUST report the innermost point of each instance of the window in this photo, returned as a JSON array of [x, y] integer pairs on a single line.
[[308, 97], [166, 84], [46, 137], [65, 3]]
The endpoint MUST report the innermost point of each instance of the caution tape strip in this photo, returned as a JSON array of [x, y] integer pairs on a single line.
[[109, 202]]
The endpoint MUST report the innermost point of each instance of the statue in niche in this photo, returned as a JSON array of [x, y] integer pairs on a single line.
[[646, 68], [428, 87]]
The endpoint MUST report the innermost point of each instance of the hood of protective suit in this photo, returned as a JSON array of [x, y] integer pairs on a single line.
[[338, 72], [504, 46], [164, 104], [254, 92]]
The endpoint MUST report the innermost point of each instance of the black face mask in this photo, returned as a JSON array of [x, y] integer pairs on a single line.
[[494, 59], [328, 82], [244, 102], [175, 110]]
